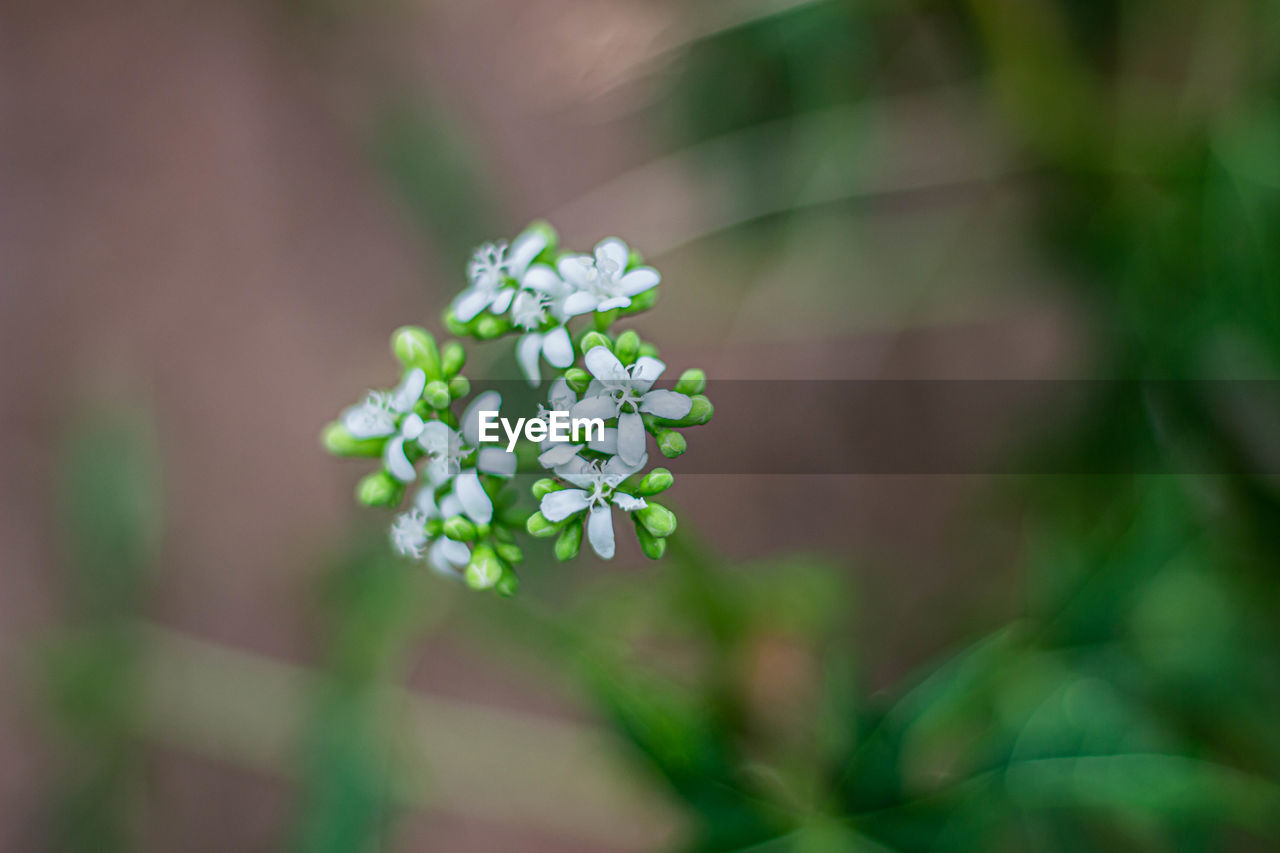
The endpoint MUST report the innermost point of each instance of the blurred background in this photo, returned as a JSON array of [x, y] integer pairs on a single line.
[[214, 215]]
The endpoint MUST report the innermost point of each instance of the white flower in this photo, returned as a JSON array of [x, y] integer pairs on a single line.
[[541, 299], [447, 448], [488, 271], [554, 453], [596, 491], [602, 282], [390, 414], [622, 392], [409, 534]]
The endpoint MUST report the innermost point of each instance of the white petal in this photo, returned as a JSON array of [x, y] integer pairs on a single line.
[[595, 407], [614, 302], [469, 303], [574, 269], [446, 556], [496, 461], [502, 300], [666, 404], [628, 503], [579, 472], [439, 470], [617, 469], [630, 438], [638, 281], [614, 250], [364, 421], [435, 437], [409, 391], [605, 365], [475, 501], [543, 279], [561, 397], [645, 372], [523, 250], [608, 444], [600, 531], [527, 350], [557, 506], [580, 303], [396, 462], [425, 501], [450, 506], [557, 453], [489, 401], [411, 427], [558, 348]]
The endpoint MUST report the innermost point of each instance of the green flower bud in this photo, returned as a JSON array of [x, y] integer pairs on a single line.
[[648, 349], [456, 326], [591, 340], [437, 395], [627, 346], [452, 358], [459, 387], [657, 519], [415, 347], [488, 326], [485, 569], [643, 301], [651, 545], [545, 486], [656, 481], [569, 542], [603, 320], [538, 526], [700, 413], [379, 489], [339, 442], [635, 259], [509, 585], [510, 552], [671, 443], [577, 378], [459, 529], [692, 381], [435, 528]]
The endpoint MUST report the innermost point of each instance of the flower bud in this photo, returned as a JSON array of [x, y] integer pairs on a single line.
[[485, 569], [339, 442], [538, 526], [604, 319], [648, 349], [488, 326], [657, 519], [627, 346], [577, 378], [459, 387], [692, 381], [651, 545], [459, 529], [549, 233], [509, 552], [671, 443], [379, 489], [635, 259], [437, 395], [452, 358], [415, 347], [544, 487], [657, 480], [643, 301], [509, 585], [591, 340], [569, 542], [435, 528], [456, 326], [700, 413]]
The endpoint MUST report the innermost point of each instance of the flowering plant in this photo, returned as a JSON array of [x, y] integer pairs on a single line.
[[465, 519]]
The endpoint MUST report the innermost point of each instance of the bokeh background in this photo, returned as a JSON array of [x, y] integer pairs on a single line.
[[213, 215]]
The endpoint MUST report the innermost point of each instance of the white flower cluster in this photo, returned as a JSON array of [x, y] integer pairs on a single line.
[[541, 298]]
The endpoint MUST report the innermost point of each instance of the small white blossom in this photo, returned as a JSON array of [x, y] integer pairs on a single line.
[[555, 453], [409, 534], [624, 393], [541, 299], [602, 281], [447, 448], [490, 268], [597, 489], [386, 414]]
